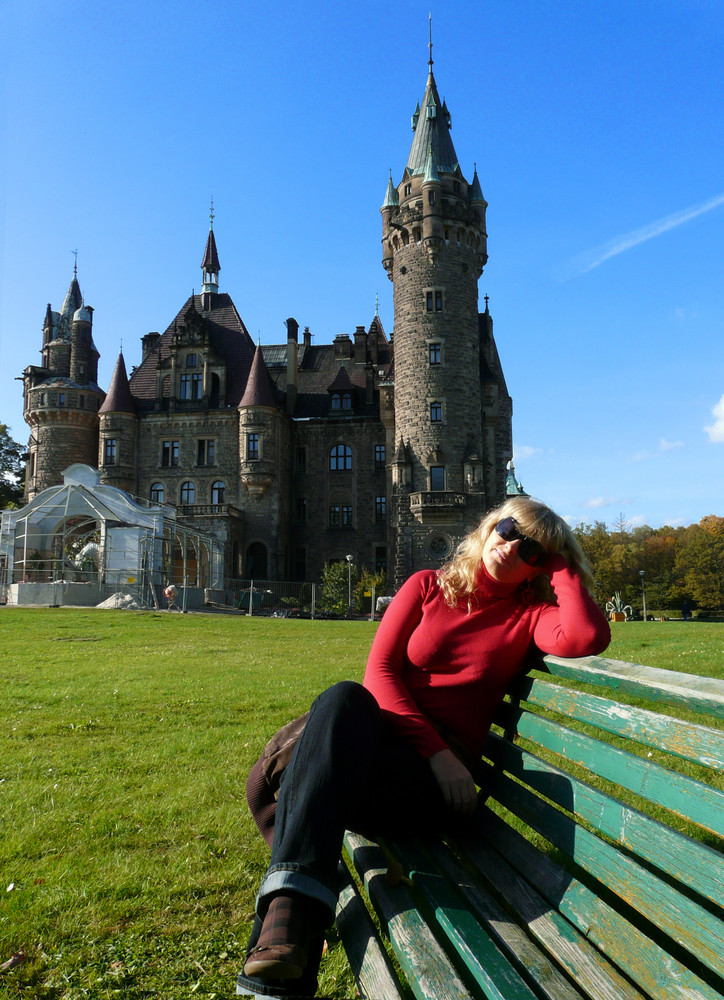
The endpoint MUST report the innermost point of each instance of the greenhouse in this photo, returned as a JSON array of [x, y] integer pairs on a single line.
[[84, 543]]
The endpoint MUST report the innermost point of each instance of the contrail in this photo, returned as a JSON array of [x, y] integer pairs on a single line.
[[594, 258]]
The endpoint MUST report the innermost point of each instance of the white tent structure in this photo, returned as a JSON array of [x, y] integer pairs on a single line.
[[82, 542]]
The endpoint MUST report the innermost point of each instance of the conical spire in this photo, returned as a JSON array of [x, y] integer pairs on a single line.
[[259, 390], [210, 264], [392, 198], [73, 298], [431, 124], [119, 398]]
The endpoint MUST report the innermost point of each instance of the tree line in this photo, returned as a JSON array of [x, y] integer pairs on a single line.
[[681, 566]]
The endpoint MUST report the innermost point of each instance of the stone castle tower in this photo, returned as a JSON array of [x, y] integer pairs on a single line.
[[61, 397], [451, 412]]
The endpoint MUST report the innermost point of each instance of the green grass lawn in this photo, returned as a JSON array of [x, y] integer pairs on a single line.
[[128, 860]]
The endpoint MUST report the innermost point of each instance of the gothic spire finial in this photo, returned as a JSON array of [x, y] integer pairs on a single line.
[[211, 214], [429, 44], [75, 266]]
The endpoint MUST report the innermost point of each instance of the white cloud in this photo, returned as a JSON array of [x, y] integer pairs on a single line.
[[665, 445], [524, 451], [596, 502], [716, 430], [593, 258]]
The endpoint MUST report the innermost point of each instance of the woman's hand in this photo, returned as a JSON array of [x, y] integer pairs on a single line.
[[455, 781]]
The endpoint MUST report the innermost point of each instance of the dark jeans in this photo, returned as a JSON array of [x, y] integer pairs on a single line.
[[349, 770]]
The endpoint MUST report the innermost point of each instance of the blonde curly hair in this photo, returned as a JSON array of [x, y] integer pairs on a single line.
[[458, 577]]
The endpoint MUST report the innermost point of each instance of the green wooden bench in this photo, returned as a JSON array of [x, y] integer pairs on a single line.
[[593, 872]]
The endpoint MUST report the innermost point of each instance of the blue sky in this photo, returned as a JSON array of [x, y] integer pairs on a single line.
[[596, 129]]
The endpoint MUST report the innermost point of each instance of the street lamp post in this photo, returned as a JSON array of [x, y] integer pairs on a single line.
[[349, 585], [643, 590]]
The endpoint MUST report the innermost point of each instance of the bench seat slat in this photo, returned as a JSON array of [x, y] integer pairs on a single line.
[[645, 962], [689, 861], [705, 694], [687, 923], [427, 968], [490, 969], [547, 932], [366, 955], [692, 800], [698, 743]]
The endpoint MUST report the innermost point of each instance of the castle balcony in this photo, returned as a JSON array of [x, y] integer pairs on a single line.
[[437, 505], [208, 510]]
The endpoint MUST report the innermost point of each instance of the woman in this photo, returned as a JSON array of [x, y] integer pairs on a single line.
[[390, 755]]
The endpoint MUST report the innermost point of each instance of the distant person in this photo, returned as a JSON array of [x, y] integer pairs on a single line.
[[685, 610], [395, 754]]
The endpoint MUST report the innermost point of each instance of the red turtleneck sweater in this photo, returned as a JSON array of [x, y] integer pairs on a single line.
[[430, 663]]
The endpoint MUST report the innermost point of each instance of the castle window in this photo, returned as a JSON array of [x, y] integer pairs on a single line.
[[340, 458], [218, 489], [346, 401], [346, 516], [301, 509], [191, 360], [109, 451], [42, 399], [380, 559], [252, 447], [436, 413], [428, 301], [340, 516], [433, 299], [435, 353], [438, 301], [380, 509], [81, 369], [61, 399], [334, 515], [185, 387], [437, 477], [408, 190], [336, 401], [431, 197], [188, 492], [169, 453], [197, 385], [81, 401], [380, 456], [206, 451], [157, 493]]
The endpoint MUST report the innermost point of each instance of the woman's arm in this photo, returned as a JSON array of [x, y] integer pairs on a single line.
[[387, 661], [576, 626]]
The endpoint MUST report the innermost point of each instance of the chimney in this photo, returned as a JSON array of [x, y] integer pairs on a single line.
[[292, 362]]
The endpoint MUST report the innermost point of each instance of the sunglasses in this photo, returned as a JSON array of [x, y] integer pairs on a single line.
[[530, 551]]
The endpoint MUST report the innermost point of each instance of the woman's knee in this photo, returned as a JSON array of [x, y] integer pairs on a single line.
[[346, 697]]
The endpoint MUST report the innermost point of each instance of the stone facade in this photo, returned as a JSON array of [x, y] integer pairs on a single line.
[[294, 455]]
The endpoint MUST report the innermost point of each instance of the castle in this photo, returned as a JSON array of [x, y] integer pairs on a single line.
[[386, 449]]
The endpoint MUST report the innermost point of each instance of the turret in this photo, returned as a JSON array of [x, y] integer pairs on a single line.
[[118, 431], [210, 266]]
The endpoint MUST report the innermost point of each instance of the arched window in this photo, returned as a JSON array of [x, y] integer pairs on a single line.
[[340, 458], [336, 401], [217, 491], [347, 401], [158, 493], [436, 413], [188, 492]]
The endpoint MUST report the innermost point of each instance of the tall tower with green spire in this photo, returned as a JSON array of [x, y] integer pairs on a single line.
[[451, 408]]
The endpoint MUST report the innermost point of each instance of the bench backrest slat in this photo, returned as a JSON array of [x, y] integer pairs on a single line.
[[694, 801], [700, 744], [687, 923], [687, 860], [515, 866], [705, 694]]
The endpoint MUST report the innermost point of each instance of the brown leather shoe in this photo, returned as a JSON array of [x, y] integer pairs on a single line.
[[282, 961]]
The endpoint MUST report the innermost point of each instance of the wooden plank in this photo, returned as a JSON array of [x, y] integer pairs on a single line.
[[693, 800], [689, 861], [429, 972], [490, 969], [698, 694], [676, 736], [593, 972], [693, 927], [645, 962], [365, 954]]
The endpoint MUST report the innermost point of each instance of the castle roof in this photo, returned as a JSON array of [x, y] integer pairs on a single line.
[[119, 398], [432, 126], [259, 389], [228, 336]]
